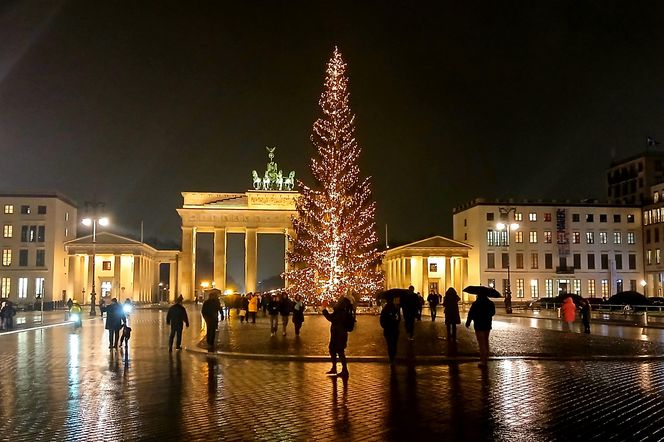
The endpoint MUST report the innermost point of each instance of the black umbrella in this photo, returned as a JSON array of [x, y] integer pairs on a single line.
[[392, 293], [480, 289], [628, 297], [578, 299]]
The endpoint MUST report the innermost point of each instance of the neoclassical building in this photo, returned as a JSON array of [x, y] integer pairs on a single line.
[[431, 264], [124, 268]]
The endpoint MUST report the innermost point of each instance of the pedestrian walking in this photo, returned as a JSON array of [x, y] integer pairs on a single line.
[[508, 302], [409, 305], [568, 312], [244, 308], [585, 315], [285, 308], [211, 310], [69, 304], [433, 299], [451, 311], [7, 314], [420, 306], [252, 307], [481, 313], [273, 310], [298, 314], [342, 320], [115, 320], [389, 320], [265, 300], [176, 318]]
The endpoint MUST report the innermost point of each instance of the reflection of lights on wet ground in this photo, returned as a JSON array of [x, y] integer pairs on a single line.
[[73, 365]]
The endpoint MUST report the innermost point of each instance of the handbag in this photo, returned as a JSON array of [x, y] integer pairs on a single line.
[[243, 312]]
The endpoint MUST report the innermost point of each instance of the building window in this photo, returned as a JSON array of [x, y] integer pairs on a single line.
[[533, 237], [490, 238], [32, 236], [631, 238], [605, 288], [548, 287], [547, 236], [602, 218], [534, 260], [39, 286], [23, 287], [658, 256], [576, 237], [630, 218], [590, 238], [7, 231], [23, 258], [631, 261], [519, 288], [602, 237], [534, 288], [532, 216], [41, 233], [632, 285], [618, 258], [25, 210], [591, 261], [590, 217], [648, 257], [577, 286], [489, 216], [9, 209], [616, 219], [40, 261], [547, 217], [575, 217], [548, 261], [647, 236], [619, 286], [6, 257], [518, 237], [505, 258], [617, 238], [518, 216], [41, 210], [577, 261], [656, 234], [591, 288], [604, 261], [490, 261], [519, 260], [5, 287]]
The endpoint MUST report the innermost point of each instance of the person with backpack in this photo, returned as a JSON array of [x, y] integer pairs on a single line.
[[389, 320], [342, 321]]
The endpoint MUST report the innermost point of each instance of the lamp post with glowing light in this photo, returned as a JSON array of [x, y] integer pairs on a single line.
[[93, 221], [508, 227]]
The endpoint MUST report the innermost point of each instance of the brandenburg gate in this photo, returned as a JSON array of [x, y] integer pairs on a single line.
[[267, 209]]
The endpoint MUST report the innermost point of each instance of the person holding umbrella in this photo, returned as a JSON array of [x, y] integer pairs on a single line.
[[481, 313]]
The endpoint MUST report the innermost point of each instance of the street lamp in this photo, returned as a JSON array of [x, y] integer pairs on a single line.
[[508, 227], [94, 220]]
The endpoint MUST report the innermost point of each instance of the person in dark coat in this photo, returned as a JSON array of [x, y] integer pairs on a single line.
[[389, 320], [115, 320], [451, 310], [585, 316], [481, 312], [244, 308], [298, 314], [176, 318], [7, 314], [273, 309], [433, 299], [409, 306], [211, 310], [338, 334], [285, 308]]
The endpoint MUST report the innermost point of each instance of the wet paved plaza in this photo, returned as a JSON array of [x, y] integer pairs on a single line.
[[63, 385]]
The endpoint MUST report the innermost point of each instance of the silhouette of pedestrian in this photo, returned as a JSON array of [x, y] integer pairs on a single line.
[[298, 314], [568, 312], [340, 319], [176, 318], [481, 313], [409, 306], [585, 315], [211, 310], [433, 299], [389, 320], [285, 307], [451, 310], [115, 320], [273, 310]]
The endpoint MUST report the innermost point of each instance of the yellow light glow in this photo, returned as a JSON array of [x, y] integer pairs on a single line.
[[205, 284]]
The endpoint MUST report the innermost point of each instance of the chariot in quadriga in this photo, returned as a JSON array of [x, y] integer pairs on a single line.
[[273, 179]]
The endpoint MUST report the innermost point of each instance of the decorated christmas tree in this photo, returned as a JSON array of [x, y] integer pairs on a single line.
[[335, 245]]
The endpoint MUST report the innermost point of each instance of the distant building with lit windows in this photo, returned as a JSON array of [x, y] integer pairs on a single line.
[[593, 249], [629, 180], [653, 243], [35, 227]]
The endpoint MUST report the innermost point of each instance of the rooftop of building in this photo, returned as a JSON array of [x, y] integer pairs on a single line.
[[650, 153], [512, 202], [35, 194]]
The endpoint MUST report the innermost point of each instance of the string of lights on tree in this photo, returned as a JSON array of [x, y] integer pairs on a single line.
[[335, 247]]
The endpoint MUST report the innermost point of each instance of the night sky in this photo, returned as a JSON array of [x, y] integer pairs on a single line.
[[133, 102]]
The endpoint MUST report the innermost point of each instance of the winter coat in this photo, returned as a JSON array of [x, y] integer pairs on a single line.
[[568, 310], [253, 304], [210, 311], [244, 303], [273, 307], [285, 307], [585, 312], [410, 304], [389, 319], [481, 312], [433, 299], [298, 312], [451, 308], [115, 316], [338, 333], [176, 316]]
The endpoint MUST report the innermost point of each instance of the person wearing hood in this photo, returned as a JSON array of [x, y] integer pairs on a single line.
[[568, 313], [481, 313], [451, 311], [339, 319]]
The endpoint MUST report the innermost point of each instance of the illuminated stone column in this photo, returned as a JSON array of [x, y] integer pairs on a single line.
[[135, 289], [250, 259], [88, 288], [187, 267], [219, 276], [172, 271], [425, 276], [448, 274], [71, 279], [117, 276], [408, 271]]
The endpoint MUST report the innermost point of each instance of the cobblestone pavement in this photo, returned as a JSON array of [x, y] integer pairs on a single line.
[[58, 384]]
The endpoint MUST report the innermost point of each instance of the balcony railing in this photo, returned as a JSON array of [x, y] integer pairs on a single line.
[[565, 270]]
